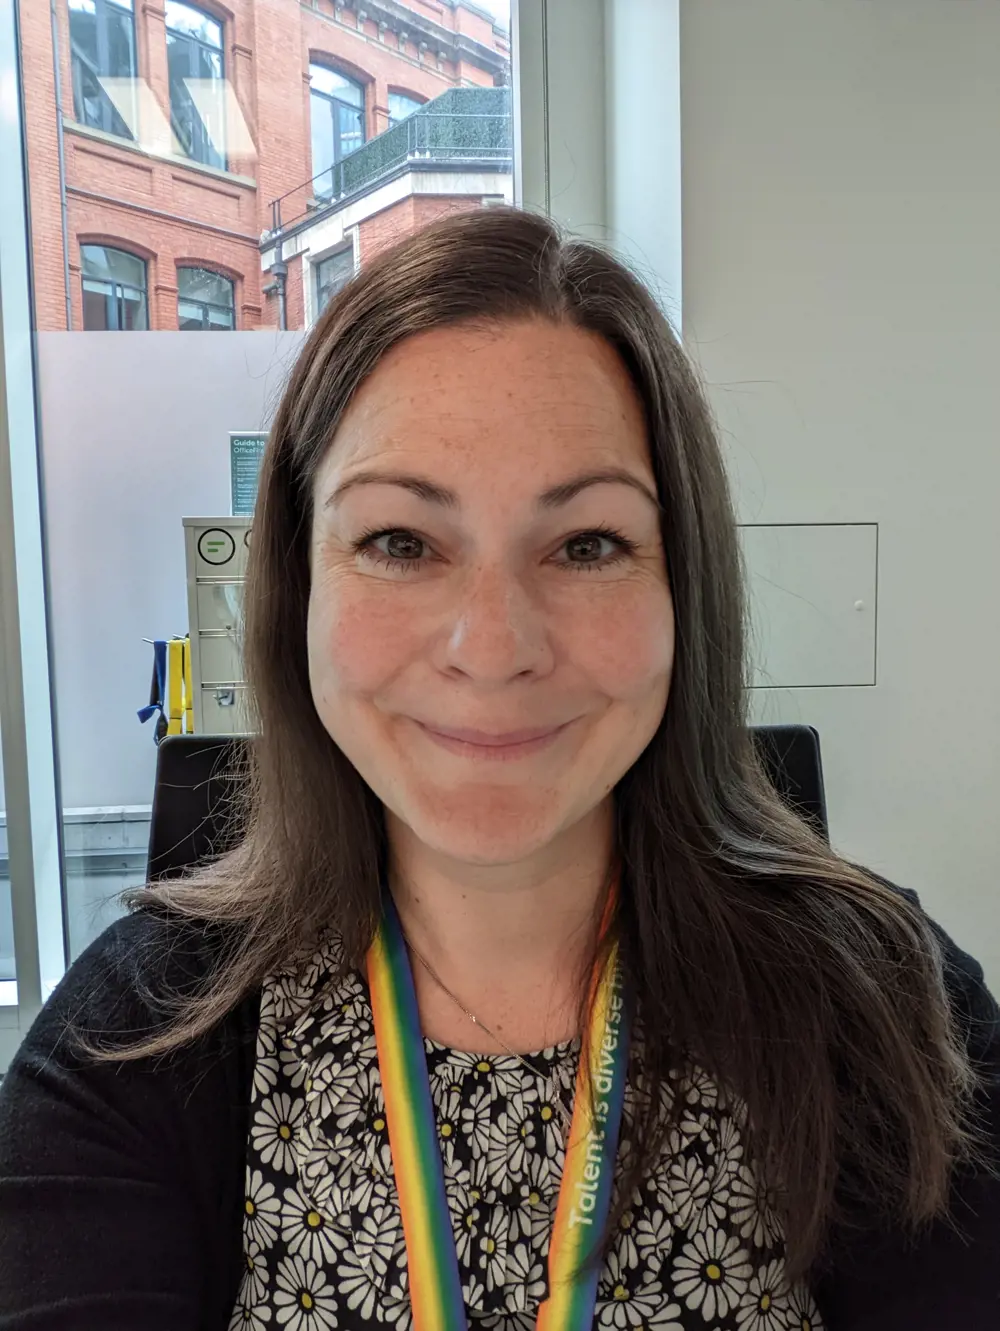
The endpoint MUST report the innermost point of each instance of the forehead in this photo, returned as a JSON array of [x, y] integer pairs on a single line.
[[527, 395]]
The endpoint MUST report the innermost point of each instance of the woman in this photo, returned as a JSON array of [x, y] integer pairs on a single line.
[[504, 800]]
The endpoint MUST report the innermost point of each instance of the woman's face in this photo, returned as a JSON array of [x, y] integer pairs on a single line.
[[491, 632]]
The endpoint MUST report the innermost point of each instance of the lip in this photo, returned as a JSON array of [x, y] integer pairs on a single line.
[[495, 746]]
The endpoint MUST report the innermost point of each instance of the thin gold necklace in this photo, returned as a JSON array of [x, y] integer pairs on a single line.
[[557, 1100]]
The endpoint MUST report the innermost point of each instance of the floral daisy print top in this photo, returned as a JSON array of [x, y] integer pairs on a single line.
[[699, 1248]]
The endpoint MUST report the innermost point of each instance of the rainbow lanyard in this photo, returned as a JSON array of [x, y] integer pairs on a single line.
[[585, 1191]]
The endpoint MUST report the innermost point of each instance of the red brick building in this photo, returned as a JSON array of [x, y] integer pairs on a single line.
[[188, 130]]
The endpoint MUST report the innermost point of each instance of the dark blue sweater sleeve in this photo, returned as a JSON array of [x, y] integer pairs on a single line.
[[120, 1182]]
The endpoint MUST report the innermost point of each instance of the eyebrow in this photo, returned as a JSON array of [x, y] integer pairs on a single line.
[[555, 497]]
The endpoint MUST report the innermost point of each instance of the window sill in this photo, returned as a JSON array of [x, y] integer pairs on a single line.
[[172, 159]]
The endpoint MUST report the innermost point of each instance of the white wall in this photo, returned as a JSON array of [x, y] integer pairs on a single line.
[[841, 223], [135, 436]]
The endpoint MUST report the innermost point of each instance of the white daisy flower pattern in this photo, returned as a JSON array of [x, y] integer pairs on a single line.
[[690, 1184], [255, 1281], [272, 1131], [250, 1317], [306, 1232], [712, 1273], [764, 1307], [751, 1209], [304, 1299], [262, 1211], [698, 1247]]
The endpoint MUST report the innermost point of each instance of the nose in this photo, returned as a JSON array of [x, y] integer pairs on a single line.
[[496, 632]]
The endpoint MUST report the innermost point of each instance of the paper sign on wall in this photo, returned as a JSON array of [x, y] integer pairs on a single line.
[[245, 453]]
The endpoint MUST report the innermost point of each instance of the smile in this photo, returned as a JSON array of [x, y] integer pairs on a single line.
[[492, 747]]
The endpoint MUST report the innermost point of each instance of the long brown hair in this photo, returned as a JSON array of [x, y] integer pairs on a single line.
[[810, 989]]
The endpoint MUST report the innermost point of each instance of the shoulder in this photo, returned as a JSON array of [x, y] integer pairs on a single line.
[[123, 989], [973, 1007], [121, 1181], [128, 981], [946, 1276]]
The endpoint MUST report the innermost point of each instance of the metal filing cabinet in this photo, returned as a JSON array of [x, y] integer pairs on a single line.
[[216, 555]]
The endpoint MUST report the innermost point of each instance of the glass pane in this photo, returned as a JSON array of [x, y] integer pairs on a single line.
[[321, 112], [200, 284], [335, 84], [102, 45], [193, 23], [220, 319], [121, 46], [83, 32], [132, 306], [188, 104], [190, 315], [209, 63], [351, 130], [99, 310], [102, 262], [135, 430], [401, 106], [89, 100], [331, 274]]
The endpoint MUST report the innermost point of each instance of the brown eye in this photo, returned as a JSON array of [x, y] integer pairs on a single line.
[[587, 549], [401, 545]]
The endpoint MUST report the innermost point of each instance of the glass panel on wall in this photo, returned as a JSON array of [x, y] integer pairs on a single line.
[[204, 300], [102, 41], [199, 211], [195, 62], [114, 289]]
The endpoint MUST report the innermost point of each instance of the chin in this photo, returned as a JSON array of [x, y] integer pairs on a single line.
[[485, 827]]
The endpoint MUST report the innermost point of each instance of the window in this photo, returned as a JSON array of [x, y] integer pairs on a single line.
[[401, 105], [204, 300], [124, 417], [331, 274], [197, 82], [114, 289], [337, 107], [102, 42]]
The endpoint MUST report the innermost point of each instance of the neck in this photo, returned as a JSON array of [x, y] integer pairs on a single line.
[[511, 943]]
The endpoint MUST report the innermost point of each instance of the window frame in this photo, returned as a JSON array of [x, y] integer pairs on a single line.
[[335, 104], [213, 156], [110, 117], [206, 305], [418, 102], [115, 298], [347, 248], [27, 729]]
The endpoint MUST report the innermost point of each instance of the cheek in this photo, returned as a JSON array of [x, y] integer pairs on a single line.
[[626, 646], [357, 641]]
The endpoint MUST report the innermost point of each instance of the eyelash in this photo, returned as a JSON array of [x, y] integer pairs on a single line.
[[362, 546]]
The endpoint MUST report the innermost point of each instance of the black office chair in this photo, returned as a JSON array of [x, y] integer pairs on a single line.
[[199, 782]]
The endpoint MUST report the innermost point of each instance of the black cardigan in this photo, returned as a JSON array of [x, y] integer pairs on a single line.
[[122, 1185]]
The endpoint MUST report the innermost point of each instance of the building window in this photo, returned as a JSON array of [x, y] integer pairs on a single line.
[[197, 82], [332, 273], [204, 300], [114, 289], [102, 41], [401, 105], [337, 109]]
